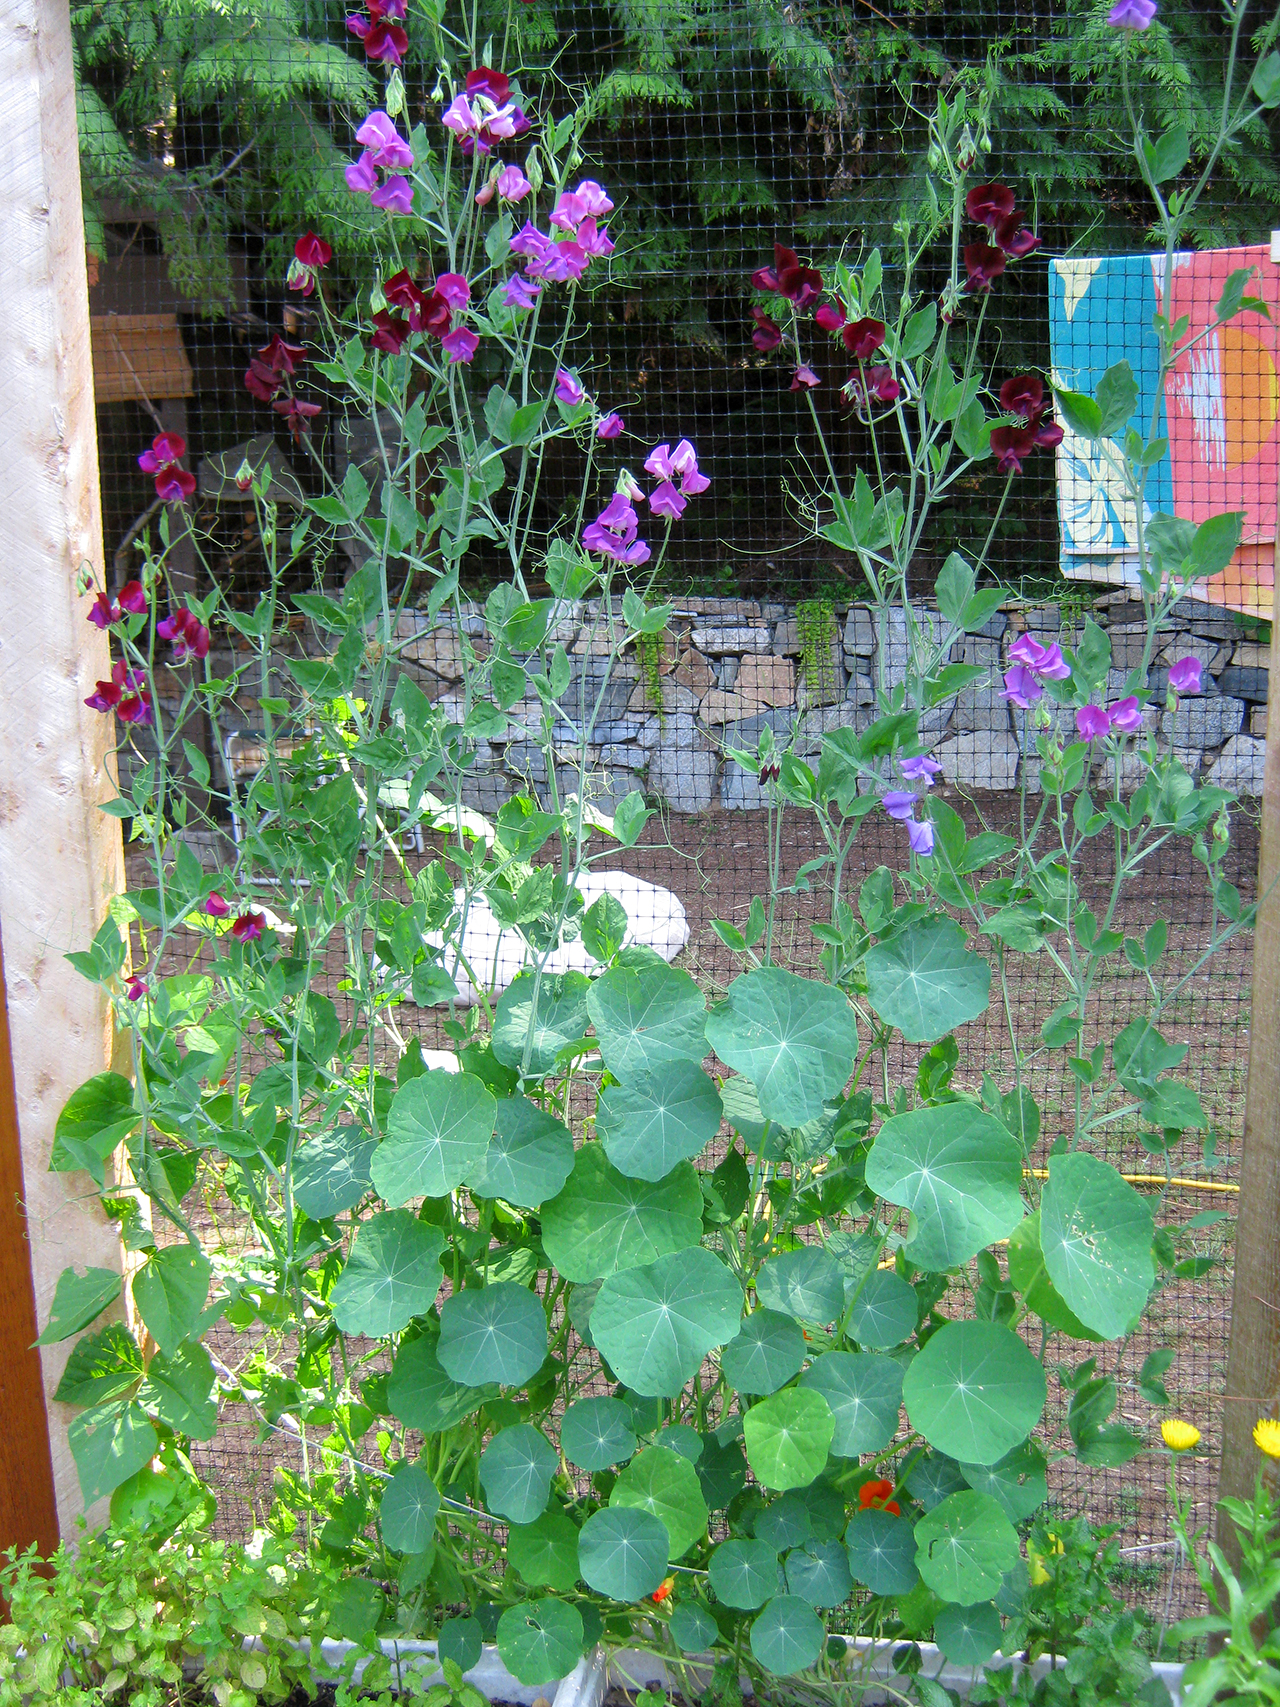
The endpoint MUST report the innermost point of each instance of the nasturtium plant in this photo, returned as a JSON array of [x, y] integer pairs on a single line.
[[601, 1303]]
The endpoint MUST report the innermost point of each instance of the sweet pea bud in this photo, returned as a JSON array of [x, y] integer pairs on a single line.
[[1221, 828], [935, 157], [377, 302], [533, 170], [84, 578], [1041, 716], [244, 476], [393, 100]]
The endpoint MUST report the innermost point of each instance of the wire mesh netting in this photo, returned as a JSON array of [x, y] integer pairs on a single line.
[[212, 136]]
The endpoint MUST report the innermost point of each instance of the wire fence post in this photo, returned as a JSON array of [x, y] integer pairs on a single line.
[[60, 856]]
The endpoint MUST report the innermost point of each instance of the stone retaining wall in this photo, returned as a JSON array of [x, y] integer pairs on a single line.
[[729, 666]]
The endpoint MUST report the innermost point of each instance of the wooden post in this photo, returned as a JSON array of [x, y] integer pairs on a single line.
[[60, 857], [1253, 1353]]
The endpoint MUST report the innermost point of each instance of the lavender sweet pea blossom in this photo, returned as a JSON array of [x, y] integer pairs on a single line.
[[899, 804], [460, 344], [1092, 722], [1184, 677], [1046, 662], [1132, 14], [684, 460], [1020, 687], [519, 292], [394, 195], [513, 186], [379, 137], [613, 533], [593, 239], [361, 178], [920, 835], [921, 768], [460, 117], [666, 501]]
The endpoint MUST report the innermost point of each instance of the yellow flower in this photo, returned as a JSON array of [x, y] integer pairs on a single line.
[[1180, 1436], [1055, 1546], [1035, 1566], [1266, 1436]]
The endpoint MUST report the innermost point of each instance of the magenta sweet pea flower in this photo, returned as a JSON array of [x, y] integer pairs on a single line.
[[454, 289], [460, 344], [1132, 14], [248, 927], [175, 485], [136, 987], [830, 317], [1184, 677], [593, 198], [361, 178], [593, 239], [804, 378], [460, 118], [519, 292], [611, 426], [920, 835], [188, 634], [382, 40], [312, 251], [1126, 715], [666, 501], [613, 533], [899, 804], [1046, 662], [684, 462], [1020, 687], [216, 905], [394, 195], [569, 212], [659, 463], [1092, 722], [512, 184], [921, 768], [126, 694], [767, 335], [379, 137], [164, 451], [131, 600], [569, 388]]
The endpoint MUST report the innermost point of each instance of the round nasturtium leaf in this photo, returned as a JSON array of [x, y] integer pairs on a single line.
[[768, 1351], [654, 1325], [968, 1635], [407, 1513], [603, 1222], [438, 1127], [794, 1038], [492, 1333], [807, 1284], [657, 1119], [331, 1171], [885, 1311], [540, 1640], [819, 1573], [681, 1438], [931, 1478], [964, 1547], [545, 1552], [529, 1157], [925, 981], [881, 1549], [693, 1629], [959, 1172], [1096, 1233], [1029, 1276], [422, 1396], [785, 1522], [1018, 1482], [516, 1470], [722, 1471], [647, 1018], [666, 1485], [788, 1437], [392, 1274], [560, 1018], [741, 1103], [622, 1552], [864, 1392], [462, 1641], [596, 1434], [788, 1636], [825, 1504], [743, 1574], [975, 1392]]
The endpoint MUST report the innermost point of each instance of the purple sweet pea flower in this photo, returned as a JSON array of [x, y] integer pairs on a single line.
[[454, 289], [1053, 666], [659, 463], [899, 804], [1092, 722], [361, 178], [519, 292], [1132, 14], [459, 117], [1126, 715], [569, 211], [921, 838], [460, 344], [506, 122], [569, 387], [1020, 687], [395, 195], [513, 186], [921, 768], [613, 533], [666, 501], [593, 239], [1184, 677], [630, 488], [378, 136], [1046, 662], [562, 263], [611, 426], [684, 462]]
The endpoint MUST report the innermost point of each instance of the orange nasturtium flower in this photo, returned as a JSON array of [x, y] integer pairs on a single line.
[[874, 1496], [663, 1589]]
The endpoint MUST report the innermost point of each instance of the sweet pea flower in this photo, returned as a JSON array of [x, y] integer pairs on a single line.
[[920, 835], [1013, 444], [767, 335], [136, 987], [862, 338], [1046, 662], [381, 40], [488, 84], [512, 184], [1092, 722], [394, 195], [629, 487], [921, 768], [126, 694], [569, 212], [1020, 687], [989, 204], [899, 804], [281, 356], [830, 317], [1126, 715], [454, 289], [804, 376], [519, 292], [460, 118], [297, 415], [560, 263], [666, 501], [216, 905], [164, 451], [593, 198], [131, 600], [684, 460], [876, 381], [189, 635], [1023, 395], [248, 927], [1132, 14], [1014, 239], [310, 253], [613, 533], [487, 191], [594, 239], [389, 332], [569, 388], [611, 426], [460, 344], [361, 178], [1184, 677], [381, 140], [983, 264], [175, 485]]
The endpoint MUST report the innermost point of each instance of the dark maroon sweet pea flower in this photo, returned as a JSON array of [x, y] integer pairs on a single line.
[[216, 905], [492, 84], [261, 381], [248, 927], [1010, 445], [389, 332], [312, 251], [387, 41], [133, 598], [983, 264], [1023, 395], [126, 694], [189, 635], [799, 284], [881, 383], [829, 317], [282, 357], [862, 338], [804, 378], [767, 335], [1012, 236], [988, 204], [402, 292], [297, 414]]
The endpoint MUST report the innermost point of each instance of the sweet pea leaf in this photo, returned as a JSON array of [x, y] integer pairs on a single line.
[[77, 1300], [622, 1552], [864, 1393], [975, 1391], [958, 1170], [545, 1552], [964, 1547], [665, 1484], [597, 1433], [807, 1284], [885, 1311], [602, 1221], [647, 1018], [819, 1573], [768, 1351], [788, 1636], [331, 1172], [516, 1468], [170, 1290], [788, 1436], [391, 1276], [529, 1157], [179, 1390], [881, 1549], [658, 1118], [438, 1129], [794, 1038], [109, 1444], [540, 1640], [655, 1324], [560, 1018], [1096, 1233], [743, 1574], [423, 1397], [407, 1513], [925, 981], [492, 1333]]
